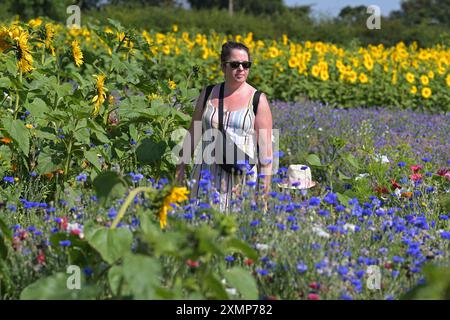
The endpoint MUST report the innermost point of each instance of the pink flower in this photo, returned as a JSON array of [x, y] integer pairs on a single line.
[[416, 168], [313, 296], [447, 175], [416, 176]]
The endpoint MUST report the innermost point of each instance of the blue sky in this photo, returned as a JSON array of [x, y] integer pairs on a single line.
[[332, 7]]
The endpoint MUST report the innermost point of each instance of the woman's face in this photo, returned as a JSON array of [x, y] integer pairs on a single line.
[[239, 74]]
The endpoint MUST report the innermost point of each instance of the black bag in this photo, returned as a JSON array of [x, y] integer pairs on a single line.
[[237, 160]]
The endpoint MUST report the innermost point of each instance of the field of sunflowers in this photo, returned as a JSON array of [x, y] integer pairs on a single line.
[[89, 118]]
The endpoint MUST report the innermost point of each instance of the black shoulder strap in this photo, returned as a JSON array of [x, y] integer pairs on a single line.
[[208, 92], [256, 101]]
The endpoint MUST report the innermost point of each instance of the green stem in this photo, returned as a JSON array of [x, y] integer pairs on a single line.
[[127, 203]]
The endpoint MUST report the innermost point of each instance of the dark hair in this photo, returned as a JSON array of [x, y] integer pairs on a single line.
[[230, 45]]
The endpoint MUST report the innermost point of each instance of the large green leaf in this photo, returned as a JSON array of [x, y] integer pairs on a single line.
[[91, 156], [142, 274], [117, 281], [112, 244], [313, 160], [109, 185], [38, 108], [149, 152], [19, 133], [55, 287], [46, 164], [244, 248], [216, 287], [243, 282]]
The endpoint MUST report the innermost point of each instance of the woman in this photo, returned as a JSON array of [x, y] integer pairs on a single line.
[[238, 116]]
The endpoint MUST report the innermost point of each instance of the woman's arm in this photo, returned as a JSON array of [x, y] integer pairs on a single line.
[[263, 127], [192, 137]]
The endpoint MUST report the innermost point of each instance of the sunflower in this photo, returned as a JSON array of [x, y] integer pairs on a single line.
[[25, 60], [424, 79], [273, 52], [101, 95], [49, 35], [77, 54], [315, 71], [447, 80], [426, 92], [413, 90], [363, 78], [293, 62], [410, 77], [176, 195], [4, 35], [324, 76]]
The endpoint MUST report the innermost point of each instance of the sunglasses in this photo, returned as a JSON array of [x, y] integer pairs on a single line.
[[235, 64]]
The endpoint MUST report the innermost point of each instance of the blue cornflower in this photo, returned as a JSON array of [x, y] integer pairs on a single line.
[[314, 201], [12, 207], [262, 272], [8, 179], [65, 243], [281, 226], [401, 164], [229, 258], [295, 227], [254, 223], [81, 177], [445, 235], [301, 267], [88, 271], [331, 198]]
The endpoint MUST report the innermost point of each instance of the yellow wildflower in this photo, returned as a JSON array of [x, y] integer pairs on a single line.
[[410, 77], [177, 195], [363, 78], [77, 53], [101, 95], [413, 90], [172, 85], [426, 92], [424, 79]]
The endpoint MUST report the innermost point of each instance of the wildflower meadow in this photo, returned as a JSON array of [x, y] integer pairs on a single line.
[[87, 129]]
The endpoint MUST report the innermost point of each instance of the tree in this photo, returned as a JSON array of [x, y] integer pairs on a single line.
[[424, 11], [351, 14], [255, 7]]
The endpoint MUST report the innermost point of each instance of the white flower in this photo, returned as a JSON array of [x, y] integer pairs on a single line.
[[362, 176], [260, 246], [349, 226], [320, 232], [382, 158]]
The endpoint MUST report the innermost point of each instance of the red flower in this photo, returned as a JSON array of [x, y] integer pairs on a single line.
[[395, 185], [416, 168], [192, 264], [416, 176], [75, 232], [64, 222], [381, 190], [314, 285], [249, 261], [41, 257], [313, 296], [388, 265]]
